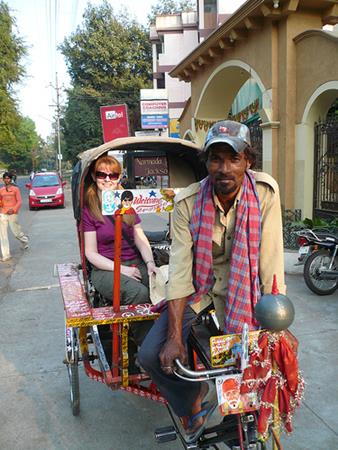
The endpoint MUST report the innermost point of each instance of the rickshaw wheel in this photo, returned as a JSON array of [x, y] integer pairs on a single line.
[[72, 362], [73, 373]]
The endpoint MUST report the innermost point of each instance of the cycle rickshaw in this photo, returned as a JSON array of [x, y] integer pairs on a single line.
[[174, 163]]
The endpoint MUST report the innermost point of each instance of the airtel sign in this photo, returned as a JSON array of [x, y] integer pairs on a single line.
[[115, 122]]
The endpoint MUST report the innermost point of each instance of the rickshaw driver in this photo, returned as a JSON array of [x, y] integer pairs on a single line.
[[227, 245]]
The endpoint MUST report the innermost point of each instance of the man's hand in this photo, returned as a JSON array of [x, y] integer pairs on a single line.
[[174, 347], [171, 350], [10, 211]]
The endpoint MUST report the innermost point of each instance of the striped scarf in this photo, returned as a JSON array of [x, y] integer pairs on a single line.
[[243, 285]]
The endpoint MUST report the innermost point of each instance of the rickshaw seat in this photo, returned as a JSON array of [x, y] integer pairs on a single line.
[[78, 311]]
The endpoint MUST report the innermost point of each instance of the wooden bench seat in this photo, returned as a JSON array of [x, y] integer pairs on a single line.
[[78, 311]]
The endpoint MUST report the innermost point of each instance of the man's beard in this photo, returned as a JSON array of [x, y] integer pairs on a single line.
[[224, 188]]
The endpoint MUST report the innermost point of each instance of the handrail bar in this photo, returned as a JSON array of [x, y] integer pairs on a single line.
[[201, 375]]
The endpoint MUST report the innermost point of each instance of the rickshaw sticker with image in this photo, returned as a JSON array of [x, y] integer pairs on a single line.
[[230, 400], [226, 350], [143, 201]]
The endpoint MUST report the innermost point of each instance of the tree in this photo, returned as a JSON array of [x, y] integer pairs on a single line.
[[109, 60], [170, 7], [12, 50], [20, 153]]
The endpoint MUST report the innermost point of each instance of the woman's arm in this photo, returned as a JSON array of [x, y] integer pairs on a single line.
[[99, 261], [142, 243], [103, 263]]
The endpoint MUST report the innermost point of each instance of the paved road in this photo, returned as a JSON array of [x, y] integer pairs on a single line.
[[35, 412]]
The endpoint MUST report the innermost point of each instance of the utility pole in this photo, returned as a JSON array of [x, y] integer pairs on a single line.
[[57, 106]]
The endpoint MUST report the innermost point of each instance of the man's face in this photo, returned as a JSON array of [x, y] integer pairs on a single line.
[[7, 181], [226, 168]]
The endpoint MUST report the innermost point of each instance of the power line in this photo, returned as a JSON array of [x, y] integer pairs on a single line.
[[75, 5], [58, 113]]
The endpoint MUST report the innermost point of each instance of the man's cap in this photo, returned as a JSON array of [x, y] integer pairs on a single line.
[[235, 134]]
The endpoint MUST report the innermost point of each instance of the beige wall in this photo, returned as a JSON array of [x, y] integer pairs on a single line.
[[254, 52], [317, 64], [290, 69]]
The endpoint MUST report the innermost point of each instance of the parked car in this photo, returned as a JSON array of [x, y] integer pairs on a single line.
[[46, 189]]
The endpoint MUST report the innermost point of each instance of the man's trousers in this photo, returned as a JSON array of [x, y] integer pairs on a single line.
[[180, 394], [10, 220]]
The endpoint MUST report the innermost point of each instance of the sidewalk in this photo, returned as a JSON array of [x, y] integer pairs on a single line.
[[290, 259]]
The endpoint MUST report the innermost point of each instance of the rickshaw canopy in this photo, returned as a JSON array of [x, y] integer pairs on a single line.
[[184, 165]]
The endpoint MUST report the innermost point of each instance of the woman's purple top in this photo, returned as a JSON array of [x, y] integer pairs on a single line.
[[105, 235]]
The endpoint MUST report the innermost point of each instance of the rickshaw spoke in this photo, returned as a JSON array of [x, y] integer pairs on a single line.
[[72, 362]]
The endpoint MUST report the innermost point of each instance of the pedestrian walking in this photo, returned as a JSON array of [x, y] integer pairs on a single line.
[[10, 204]]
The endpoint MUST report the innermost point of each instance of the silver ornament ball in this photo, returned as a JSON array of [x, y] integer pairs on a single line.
[[274, 312]]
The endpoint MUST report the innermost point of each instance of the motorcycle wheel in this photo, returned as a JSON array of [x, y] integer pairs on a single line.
[[313, 280]]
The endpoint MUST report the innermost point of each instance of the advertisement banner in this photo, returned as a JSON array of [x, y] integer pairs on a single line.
[[174, 128], [115, 122], [154, 107], [139, 201], [154, 121]]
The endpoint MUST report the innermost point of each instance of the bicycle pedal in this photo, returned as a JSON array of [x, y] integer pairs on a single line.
[[165, 434]]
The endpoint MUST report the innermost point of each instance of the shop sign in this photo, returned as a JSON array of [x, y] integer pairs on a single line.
[[154, 107], [115, 122], [154, 121], [147, 166]]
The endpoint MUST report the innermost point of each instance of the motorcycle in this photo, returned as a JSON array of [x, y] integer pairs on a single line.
[[319, 251]]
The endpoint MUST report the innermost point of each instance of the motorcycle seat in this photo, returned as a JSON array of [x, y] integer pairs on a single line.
[[328, 237]]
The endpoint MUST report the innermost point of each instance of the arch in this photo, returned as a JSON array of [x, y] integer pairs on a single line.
[[316, 107], [233, 67], [322, 97], [218, 94], [189, 136]]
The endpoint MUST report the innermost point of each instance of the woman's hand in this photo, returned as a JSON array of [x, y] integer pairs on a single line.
[[131, 272], [151, 268]]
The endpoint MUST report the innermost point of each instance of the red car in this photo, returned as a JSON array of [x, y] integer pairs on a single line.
[[46, 189]]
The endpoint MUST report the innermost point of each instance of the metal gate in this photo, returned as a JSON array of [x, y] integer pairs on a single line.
[[325, 195], [256, 135]]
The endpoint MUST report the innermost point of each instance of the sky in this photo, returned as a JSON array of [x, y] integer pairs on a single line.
[[44, 24]]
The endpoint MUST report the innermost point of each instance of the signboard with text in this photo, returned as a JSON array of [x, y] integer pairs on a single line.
[[154, 121], [138, 201], [154, 112], [148, 166], [154, 107], [115, 122]]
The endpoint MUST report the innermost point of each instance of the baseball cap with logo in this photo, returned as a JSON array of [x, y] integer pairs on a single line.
[[236, 134]]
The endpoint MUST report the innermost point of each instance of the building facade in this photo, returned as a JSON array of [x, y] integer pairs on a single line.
[[281, 47], [175, 36]]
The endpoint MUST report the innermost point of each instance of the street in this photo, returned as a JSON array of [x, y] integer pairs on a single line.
[[34, 393]]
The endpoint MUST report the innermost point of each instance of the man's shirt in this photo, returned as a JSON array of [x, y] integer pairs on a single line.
[[271, 259], [11, 199]]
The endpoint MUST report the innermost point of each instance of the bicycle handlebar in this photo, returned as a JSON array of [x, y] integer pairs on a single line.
[[201, 375]]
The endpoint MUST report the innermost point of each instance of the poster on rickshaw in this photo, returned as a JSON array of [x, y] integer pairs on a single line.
[[229, 396], [138, 201]]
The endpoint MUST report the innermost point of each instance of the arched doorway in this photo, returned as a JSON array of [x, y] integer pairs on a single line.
[[229, 81], [325, 194]]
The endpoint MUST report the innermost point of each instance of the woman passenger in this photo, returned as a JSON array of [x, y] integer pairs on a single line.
[[137, 262]]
